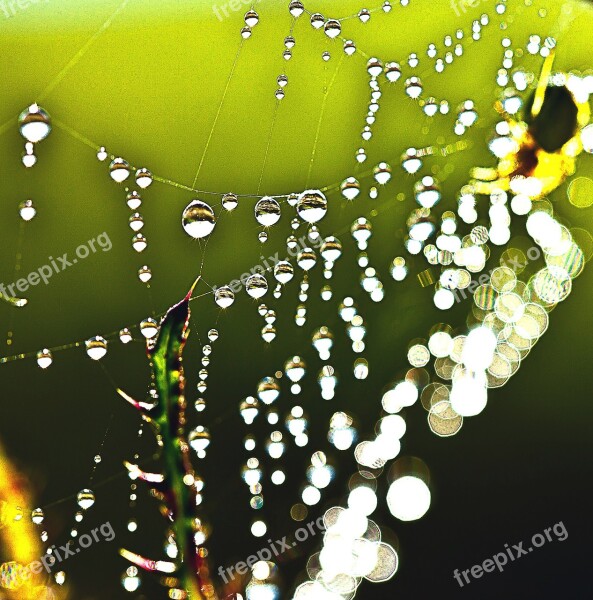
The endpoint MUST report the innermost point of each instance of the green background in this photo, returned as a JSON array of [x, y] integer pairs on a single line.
[[149, 89]]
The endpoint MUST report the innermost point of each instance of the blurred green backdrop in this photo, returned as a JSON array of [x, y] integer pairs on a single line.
[[149, 88]]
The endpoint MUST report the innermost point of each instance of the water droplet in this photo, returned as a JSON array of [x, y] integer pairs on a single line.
[[364, 15], [413, 87], [96, 347], [85, 499], [349, 47], [374, 67], [427, 192], [283, 271], [37, 516], [29, 159], [199, 439], [323, 342], [312, 206], [246, 32], [133, 200], [350, 188], [136, 222], [295, 369], [97, 458], [251, 18], [224, 296], [410, 161], [361, 368], [125, 336], [27, 210], [289, 42], [130, 580], [119, 169], [230, 202], [262, 236], [317, 20], [144, 274], [149, 328], [139, 242], [382, 173], [306, 259], [332, 28], [268, 333], [282, 80], [213, 335], [296, 8], [44, 358], [256, 286], [268, 390], [361, 231], [198, 219], [143, 178], [34, 123], [331, 249], [267, 211], [249, 409]]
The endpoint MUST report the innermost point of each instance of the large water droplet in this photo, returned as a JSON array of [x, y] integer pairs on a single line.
[[119, 170], [283, 271], [306, 259], [96, 347], [34, 123], [44, 358], [224, 296], [350, 188], [143, 178], [331, 249], [198, 219], [136, 222], [256, 285], [149, 328], [268, 390], [133, 200], [230, 202], [27, 210], [85, 499], [267, 211], [296, 8], [333, 28], [312, 206], [125, 336]]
